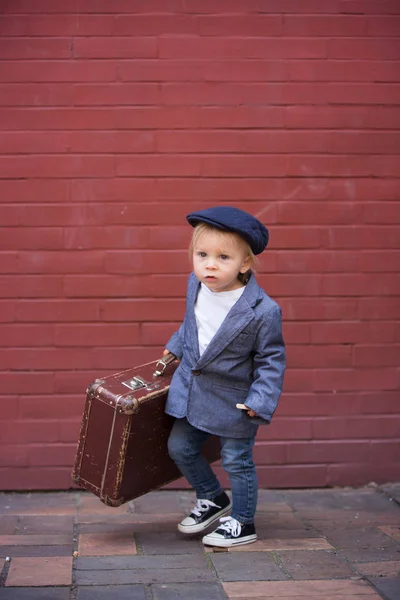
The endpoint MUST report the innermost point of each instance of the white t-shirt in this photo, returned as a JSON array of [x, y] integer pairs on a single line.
[[210, 310]]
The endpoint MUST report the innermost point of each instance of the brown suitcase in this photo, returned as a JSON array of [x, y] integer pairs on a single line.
[[122, 449]]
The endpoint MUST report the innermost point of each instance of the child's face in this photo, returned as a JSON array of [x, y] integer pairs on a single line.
[[218, 258]]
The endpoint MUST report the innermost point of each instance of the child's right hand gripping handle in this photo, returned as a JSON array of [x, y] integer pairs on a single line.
[[163, 363]]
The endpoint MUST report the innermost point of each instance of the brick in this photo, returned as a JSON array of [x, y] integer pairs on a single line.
[[31, 431], [387, 25], [320, 356], [122, 592], [200, 591], [143, 310], [338, 117], [359, 284], [114, 94], [26, 238], [379, 569], [308, 589], [147, 262], [331, 451], [372, 48], [57, 310], [52, 455], [36, 572], [27, 382], [13, 456], [355, 427], [30, 286], [336, 70], [354, 474], [29, 94], [375, 355], [355, 379], [35, 190], [95, 334], [106, 544], [366, 237], [56, 166], [7, 311], [26, 335], [52, 48], [100, 286], [330, 25], [158, 165], [50, 407], [115, 47], [369, 6], [53, 593], [38, 478], [312, 565], [292, 476], [38, 25], [58, 71], [8, 406], [246, 567]]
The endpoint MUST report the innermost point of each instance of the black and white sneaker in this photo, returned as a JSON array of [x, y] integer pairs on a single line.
[[231, 533], [205, 513]]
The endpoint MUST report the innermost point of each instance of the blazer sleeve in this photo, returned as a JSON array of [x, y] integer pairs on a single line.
[[175, 343], [269, 365]]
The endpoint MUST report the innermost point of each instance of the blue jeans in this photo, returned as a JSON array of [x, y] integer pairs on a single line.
[[184, 447]]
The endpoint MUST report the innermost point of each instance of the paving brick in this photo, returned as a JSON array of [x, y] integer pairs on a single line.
[[392, 490], [315, 565], [38, 503], [144, 576], [36, 572], [90, 504], [133, 519], [157, 502], [36, 593], [371, 554], [106, 544], [389, 587], [120, 592], [379, 569], [184, 591], [392, 531], [168, 542], [279, 521], [140, 562], [246, 566], [281, 544], [36, 551], [8, 523], [301, 589], [35, 540], [358, 537], [44, 525]]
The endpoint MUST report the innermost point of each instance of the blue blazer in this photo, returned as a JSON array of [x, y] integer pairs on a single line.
[[244, 363]]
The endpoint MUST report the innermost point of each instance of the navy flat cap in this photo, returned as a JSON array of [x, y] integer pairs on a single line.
[[228, 218]]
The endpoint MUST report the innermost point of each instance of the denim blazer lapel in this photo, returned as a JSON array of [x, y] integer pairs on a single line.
[[236, 320]]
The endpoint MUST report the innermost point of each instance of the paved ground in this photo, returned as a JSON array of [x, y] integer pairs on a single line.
[[334, 544]]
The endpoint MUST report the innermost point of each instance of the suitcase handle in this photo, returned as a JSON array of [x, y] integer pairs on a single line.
[[163, 363]]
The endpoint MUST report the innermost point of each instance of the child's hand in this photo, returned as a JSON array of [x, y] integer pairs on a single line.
[[165, 352], [250, 412]]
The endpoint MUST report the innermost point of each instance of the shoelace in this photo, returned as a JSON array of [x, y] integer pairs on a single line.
[[231, 526], [202, 506]]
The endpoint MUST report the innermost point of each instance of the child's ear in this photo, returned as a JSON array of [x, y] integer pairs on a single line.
[[246, 265]]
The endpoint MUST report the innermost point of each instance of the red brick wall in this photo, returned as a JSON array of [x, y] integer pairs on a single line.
[[117, 118]]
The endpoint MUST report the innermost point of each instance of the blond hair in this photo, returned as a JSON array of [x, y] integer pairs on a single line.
[[206, 228]]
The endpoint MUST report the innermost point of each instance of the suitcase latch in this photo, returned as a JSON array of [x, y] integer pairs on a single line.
[[138, 383]]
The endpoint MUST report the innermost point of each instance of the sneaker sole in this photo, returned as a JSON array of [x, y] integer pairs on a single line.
[[188, 529], [224, 543]]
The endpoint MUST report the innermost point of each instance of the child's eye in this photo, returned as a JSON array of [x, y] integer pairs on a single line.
[[224, 256], [201, 254]]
